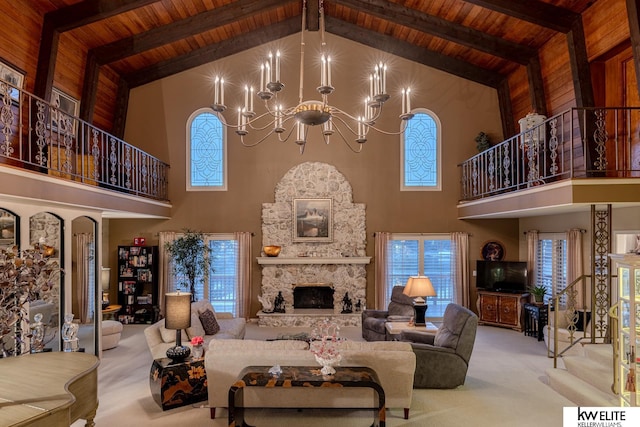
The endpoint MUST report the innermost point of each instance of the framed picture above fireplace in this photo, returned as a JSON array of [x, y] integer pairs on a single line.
[[313, 220]]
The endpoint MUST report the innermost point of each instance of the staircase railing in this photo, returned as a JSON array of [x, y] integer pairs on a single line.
[[567, 302], [47, 138]]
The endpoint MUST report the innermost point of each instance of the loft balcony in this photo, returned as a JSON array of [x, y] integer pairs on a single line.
[[49, 155], [566, 163]]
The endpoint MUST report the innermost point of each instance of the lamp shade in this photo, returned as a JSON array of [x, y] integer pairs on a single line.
[[105, 278], [419, 286], [178, 310]]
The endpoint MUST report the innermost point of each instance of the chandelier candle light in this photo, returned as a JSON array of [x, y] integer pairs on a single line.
[[312, 112]]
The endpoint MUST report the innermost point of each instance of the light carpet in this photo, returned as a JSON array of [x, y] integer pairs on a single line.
[[505, 386]]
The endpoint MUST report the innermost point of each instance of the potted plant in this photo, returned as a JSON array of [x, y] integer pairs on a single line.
[[483, 142], [190, 258], [538, 293]]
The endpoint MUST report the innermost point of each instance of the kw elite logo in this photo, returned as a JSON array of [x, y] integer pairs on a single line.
[[600, 417]]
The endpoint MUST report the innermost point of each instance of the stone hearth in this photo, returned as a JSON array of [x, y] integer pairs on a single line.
[[340, 262]]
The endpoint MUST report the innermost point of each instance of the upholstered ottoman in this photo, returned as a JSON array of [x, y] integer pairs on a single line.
[[111, 331]]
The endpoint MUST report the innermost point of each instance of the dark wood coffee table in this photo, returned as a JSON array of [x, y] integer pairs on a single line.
[[303, 376]]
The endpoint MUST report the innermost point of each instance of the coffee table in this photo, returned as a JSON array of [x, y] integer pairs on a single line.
[[395, 328], [307, 377]]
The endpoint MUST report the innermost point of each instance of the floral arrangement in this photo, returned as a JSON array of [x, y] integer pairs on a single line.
[[197, 340], [325, 346], [25, 276]]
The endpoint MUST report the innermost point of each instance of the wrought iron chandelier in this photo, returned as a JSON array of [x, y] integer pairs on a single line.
[[312, 112]]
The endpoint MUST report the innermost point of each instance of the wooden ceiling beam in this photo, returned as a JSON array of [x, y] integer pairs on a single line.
[[313, 15], [89, 11], [184, 28], [161, 36], [413, 53], [443, 29], [533, 11], [214, 52], [633, 14], [65, 19]]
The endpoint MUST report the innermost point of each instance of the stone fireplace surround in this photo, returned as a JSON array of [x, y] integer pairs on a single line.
[[341, 262]]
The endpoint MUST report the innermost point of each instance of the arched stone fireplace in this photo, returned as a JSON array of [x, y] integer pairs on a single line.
[[339, 263]]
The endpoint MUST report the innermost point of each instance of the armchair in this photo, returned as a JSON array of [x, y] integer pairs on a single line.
[[400, 309], [442, 359]]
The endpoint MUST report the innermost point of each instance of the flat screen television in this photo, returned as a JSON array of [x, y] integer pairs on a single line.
[[502, 276]]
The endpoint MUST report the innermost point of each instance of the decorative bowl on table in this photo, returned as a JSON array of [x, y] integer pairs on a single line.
[[272, 250]]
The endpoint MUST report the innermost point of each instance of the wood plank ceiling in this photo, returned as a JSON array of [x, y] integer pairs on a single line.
[[145, 40]]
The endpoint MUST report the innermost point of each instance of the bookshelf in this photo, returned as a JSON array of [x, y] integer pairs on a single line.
[[138, 283]]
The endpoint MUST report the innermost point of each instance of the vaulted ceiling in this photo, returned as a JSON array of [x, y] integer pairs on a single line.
[[145, 40]]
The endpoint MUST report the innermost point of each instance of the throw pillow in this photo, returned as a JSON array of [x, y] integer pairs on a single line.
[[196, 328], [209, 322], [168, 335]]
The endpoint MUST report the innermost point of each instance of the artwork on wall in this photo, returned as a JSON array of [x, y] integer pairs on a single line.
[[14, 77], [64, 109], [492, 251], [312, 220]]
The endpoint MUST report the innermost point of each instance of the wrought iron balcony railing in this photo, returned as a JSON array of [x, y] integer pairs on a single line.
[[41, 137], [578, 143]]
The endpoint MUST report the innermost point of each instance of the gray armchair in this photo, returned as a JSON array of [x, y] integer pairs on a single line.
[[400, 309], [442, 359]]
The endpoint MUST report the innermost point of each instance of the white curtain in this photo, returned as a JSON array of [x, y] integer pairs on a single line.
[[84, 255], [381, 244], [243, 299], [460, 267], [575, 266], [533, 236], [165, 281]]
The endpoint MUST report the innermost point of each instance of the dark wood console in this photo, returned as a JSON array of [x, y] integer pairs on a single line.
[[501, 309]]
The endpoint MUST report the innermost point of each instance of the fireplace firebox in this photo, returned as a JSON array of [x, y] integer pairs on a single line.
[[313, 296]]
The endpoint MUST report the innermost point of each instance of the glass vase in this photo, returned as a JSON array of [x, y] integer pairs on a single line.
[[198, 351]]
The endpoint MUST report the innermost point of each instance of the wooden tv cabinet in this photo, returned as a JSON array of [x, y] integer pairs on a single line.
[[501, 309]]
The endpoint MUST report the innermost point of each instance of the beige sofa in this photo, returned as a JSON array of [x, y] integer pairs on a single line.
[[160, 339], [393, 361]]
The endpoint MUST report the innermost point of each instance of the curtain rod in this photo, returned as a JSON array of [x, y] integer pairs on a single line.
[[582, 230], [424, 234]]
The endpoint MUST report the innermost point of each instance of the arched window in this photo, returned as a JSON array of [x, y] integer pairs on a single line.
[[206, 152], [420, 157]]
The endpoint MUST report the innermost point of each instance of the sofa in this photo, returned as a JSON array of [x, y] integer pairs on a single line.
[[442, 359], [400, 309], [159, 339], [394, 362]]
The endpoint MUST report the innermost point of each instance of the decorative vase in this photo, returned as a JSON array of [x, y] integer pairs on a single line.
[[198, 351], [328, 363]]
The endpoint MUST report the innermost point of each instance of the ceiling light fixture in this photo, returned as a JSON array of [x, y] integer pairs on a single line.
[[313, 112]]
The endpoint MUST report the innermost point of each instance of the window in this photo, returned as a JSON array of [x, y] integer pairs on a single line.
[[220, 287], [420, 156], [551, 263], [206, 152], [426, 255]]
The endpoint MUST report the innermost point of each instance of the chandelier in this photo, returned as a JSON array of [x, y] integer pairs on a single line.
[[352, 128]]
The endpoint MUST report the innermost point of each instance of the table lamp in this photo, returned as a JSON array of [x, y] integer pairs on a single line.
[[105, 278], [419, 287], [178, 317]]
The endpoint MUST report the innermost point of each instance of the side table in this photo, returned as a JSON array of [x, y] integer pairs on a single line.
[[535, 319], [175, 384], [394, 329]]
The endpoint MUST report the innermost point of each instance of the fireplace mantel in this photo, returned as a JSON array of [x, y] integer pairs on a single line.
[[312, 260]]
